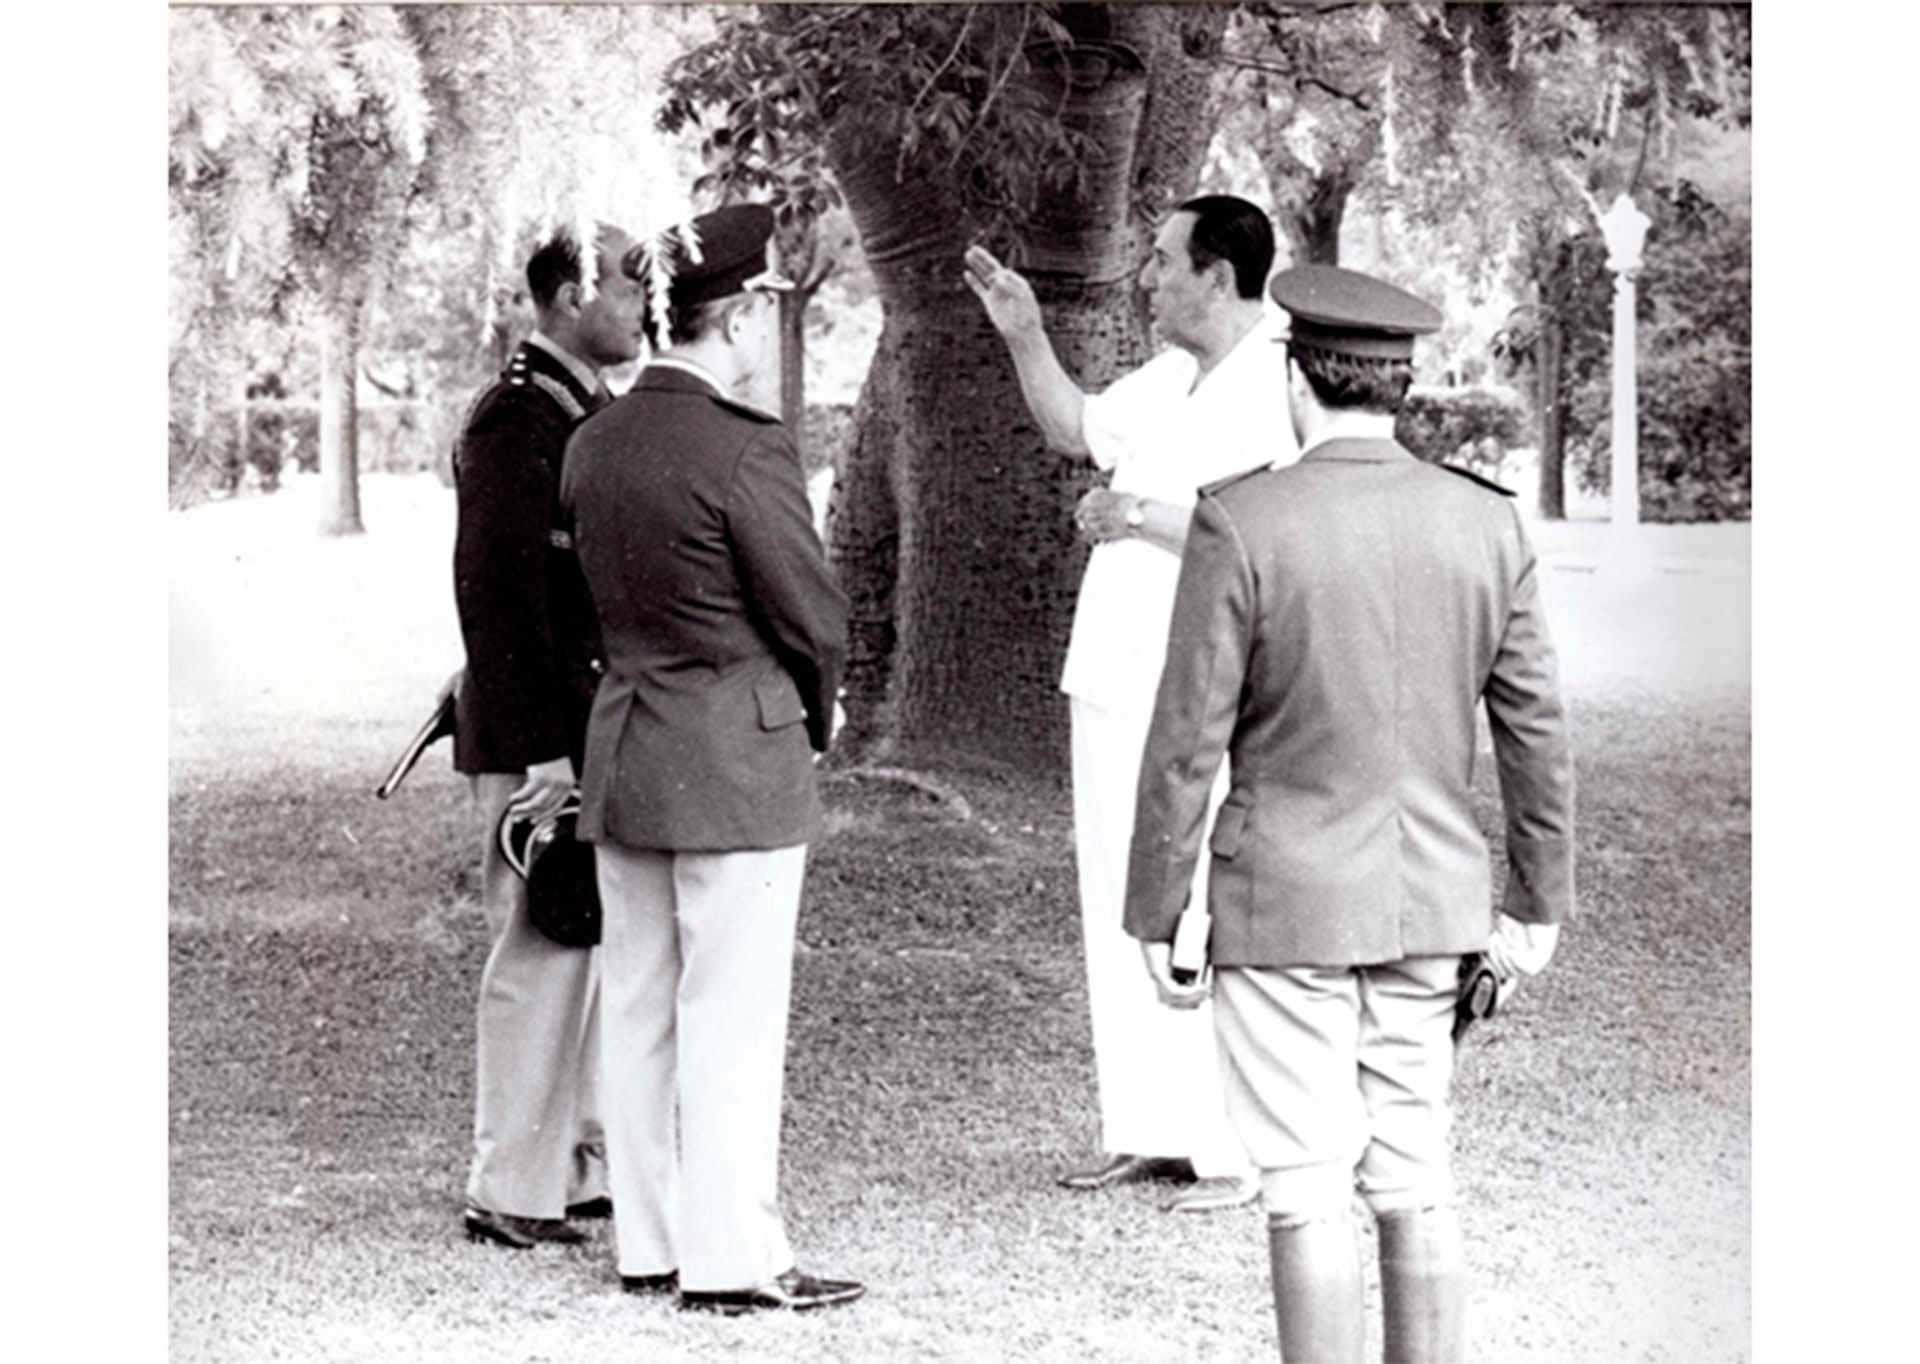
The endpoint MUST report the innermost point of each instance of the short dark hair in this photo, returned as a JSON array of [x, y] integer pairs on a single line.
[[554, 264], [1231, 229], [1368, 383], [691, 322]]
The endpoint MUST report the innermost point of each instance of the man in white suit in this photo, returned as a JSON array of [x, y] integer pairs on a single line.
[[1197, 412]]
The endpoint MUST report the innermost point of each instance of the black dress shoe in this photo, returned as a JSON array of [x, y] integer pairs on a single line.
[[650, 1283], [519, 1233], [1125, 1169], [593, 1210], [793, 1291]]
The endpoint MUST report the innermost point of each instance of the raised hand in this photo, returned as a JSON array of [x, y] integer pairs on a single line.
[[1005, 294]]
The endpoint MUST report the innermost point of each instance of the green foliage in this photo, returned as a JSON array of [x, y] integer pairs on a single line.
[[1472, 428]]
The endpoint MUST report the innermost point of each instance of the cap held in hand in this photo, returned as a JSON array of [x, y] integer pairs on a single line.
[[563, 894]]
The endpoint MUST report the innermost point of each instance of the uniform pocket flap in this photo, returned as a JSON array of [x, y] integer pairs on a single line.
[[779, 701], [1227, 827]]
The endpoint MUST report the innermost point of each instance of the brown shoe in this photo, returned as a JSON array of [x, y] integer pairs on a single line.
[[1125, 1169], [1214, 1194], [519, 1233]]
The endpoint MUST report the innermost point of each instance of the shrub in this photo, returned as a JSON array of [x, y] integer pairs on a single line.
[[1471, 428]]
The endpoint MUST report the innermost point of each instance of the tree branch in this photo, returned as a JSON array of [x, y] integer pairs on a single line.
[[1298, 78], [1014, 51]]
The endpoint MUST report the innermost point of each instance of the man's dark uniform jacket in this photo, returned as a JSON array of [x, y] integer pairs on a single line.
[[726, 634], [533, 642]]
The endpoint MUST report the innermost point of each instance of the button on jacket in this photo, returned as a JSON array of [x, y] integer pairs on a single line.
[[725, 632], [1336, 626]]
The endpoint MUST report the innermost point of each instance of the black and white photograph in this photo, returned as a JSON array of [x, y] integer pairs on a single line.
[[965, 682]]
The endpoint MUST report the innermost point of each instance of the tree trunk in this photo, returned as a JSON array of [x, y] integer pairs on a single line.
[[809, 264], [1314, 231], [793, 359], [953, 534], [1310, 203], [953, 531], [1553, 438], [339, 442]]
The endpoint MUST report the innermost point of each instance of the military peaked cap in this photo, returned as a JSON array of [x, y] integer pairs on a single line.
[[718, 254], [1350, 313]]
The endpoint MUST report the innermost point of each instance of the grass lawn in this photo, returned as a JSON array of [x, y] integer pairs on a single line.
[[325, 949]]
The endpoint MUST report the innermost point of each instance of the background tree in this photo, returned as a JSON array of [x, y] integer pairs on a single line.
[[373, 178], [1311, 88], [1483, 137], [753, 154], [1558, 109], [1058, 135], [295, 139]]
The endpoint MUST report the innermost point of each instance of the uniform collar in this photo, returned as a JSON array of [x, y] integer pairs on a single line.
[[1357, 450], [670, 371], [585, 377]]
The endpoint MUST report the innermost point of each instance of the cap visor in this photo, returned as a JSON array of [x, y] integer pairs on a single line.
[[767, 279]]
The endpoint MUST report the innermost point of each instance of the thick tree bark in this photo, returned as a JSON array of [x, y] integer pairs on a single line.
[[953, 527], [339, 442]]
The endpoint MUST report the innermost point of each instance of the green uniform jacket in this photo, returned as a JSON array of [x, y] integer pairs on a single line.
[[1337, 625]]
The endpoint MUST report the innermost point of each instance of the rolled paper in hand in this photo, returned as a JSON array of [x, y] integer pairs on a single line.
[[1190, 944]]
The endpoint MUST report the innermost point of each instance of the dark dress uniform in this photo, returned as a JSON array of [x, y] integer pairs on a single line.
[[533, 651], [726, 636], [533, 641]]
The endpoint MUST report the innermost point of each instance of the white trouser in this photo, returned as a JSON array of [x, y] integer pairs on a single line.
[[537, 1144], [1158, 1068], [697, 972]]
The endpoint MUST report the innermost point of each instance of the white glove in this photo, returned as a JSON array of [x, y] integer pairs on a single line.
[[1520, 949]]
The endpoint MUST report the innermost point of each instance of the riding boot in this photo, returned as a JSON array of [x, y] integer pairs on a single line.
[[1423, 1286], [1318, 1298]]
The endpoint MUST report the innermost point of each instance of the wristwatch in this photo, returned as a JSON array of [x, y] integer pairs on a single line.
[[1136, 515]]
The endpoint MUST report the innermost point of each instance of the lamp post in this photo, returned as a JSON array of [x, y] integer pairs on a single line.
[[1625, 553]]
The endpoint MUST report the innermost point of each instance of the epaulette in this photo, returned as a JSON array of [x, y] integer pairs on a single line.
[[1209, 489], [521, 375], [1472, 477]]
